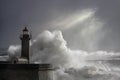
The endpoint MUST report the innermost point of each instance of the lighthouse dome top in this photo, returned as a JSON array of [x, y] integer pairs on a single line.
[[25, 29]]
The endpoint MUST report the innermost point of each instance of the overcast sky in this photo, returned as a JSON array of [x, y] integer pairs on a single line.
[[52, 15]]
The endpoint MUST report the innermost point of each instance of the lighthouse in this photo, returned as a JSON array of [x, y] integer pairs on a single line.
[[20, 68], [25, 40]]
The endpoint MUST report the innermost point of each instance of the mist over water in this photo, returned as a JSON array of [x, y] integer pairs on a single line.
[[50, 47], [82, 29]]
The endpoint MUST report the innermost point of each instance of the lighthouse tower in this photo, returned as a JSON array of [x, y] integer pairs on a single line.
[[25, 38]]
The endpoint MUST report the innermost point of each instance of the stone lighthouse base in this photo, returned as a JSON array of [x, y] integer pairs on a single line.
[[26, 72]]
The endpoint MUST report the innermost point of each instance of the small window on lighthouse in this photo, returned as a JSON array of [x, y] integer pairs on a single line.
[[25, 32]]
